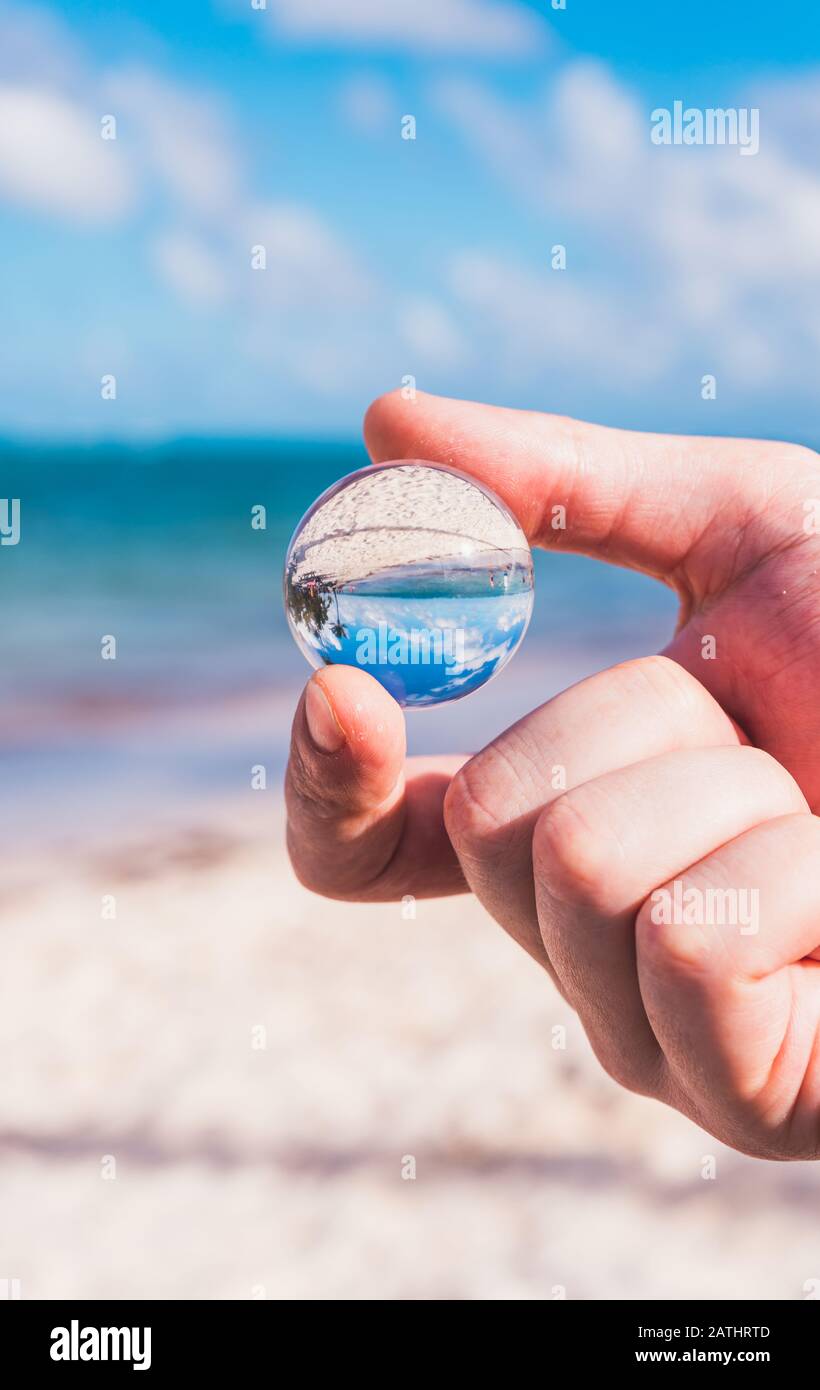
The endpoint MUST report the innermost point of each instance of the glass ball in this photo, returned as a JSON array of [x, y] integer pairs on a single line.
[[414, 572]]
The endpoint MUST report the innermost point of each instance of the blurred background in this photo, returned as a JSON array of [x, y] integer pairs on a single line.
[[258, 1064]]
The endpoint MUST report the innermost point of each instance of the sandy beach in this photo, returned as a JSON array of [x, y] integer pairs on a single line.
[[261, 1064]]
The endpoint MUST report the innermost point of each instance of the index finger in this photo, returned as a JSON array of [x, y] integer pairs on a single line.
[[640, 500]]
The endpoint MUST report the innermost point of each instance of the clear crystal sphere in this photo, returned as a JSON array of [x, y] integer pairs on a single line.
[[414, 572]]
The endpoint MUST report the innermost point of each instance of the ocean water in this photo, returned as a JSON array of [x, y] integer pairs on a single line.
[[154, 547]]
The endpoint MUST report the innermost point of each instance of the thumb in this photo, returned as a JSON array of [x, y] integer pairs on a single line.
[[640, 500], [364, 823]]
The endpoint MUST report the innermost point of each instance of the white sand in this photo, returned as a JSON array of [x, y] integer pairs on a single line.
[[277, 1172]]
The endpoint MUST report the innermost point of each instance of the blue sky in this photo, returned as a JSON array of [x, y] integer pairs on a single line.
[[387, 257]]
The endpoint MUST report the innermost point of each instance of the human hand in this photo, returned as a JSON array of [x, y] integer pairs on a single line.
[[699, 767]]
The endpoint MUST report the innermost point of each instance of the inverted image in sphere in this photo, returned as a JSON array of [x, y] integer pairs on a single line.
[[414, 572]]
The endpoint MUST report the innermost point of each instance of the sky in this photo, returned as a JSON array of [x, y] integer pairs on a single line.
[[387, 258]]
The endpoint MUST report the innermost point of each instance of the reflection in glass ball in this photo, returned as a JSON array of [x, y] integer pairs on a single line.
[[414, 572]]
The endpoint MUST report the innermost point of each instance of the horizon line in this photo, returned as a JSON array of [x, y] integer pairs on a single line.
[[145, 442]]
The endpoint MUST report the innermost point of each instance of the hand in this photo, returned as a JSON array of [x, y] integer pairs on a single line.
[[668, 878]]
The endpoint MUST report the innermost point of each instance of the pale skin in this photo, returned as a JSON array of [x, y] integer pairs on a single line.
[[678, 767]]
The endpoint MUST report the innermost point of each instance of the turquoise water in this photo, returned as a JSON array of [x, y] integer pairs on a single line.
[[154, 545]]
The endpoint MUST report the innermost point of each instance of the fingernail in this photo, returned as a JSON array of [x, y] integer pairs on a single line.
[[321, 721]]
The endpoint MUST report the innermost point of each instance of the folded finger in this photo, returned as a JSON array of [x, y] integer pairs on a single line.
[[617, 717], [597, 854], [725, 965]]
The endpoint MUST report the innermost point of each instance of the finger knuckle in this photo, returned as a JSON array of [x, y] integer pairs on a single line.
[[473, 811], [638, 1074], [671, 949], [573, 859], [669, 683], [786, 793], [481, 806]]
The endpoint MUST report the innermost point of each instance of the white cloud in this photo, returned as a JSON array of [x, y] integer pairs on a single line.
[[430, 333], [487, 28], [368, 103], [52, 157], [554, 322], [571, 148], [178, 159], [308, 276], [185, 141], [329, 359], [50, 146], [183, 138], [720, 251], [505, 138], [51, 152], [36, 46], [191, 268], [306, 263], [790, 112]]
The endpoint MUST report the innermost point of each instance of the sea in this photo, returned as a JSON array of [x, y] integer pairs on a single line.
[[147, 666]]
